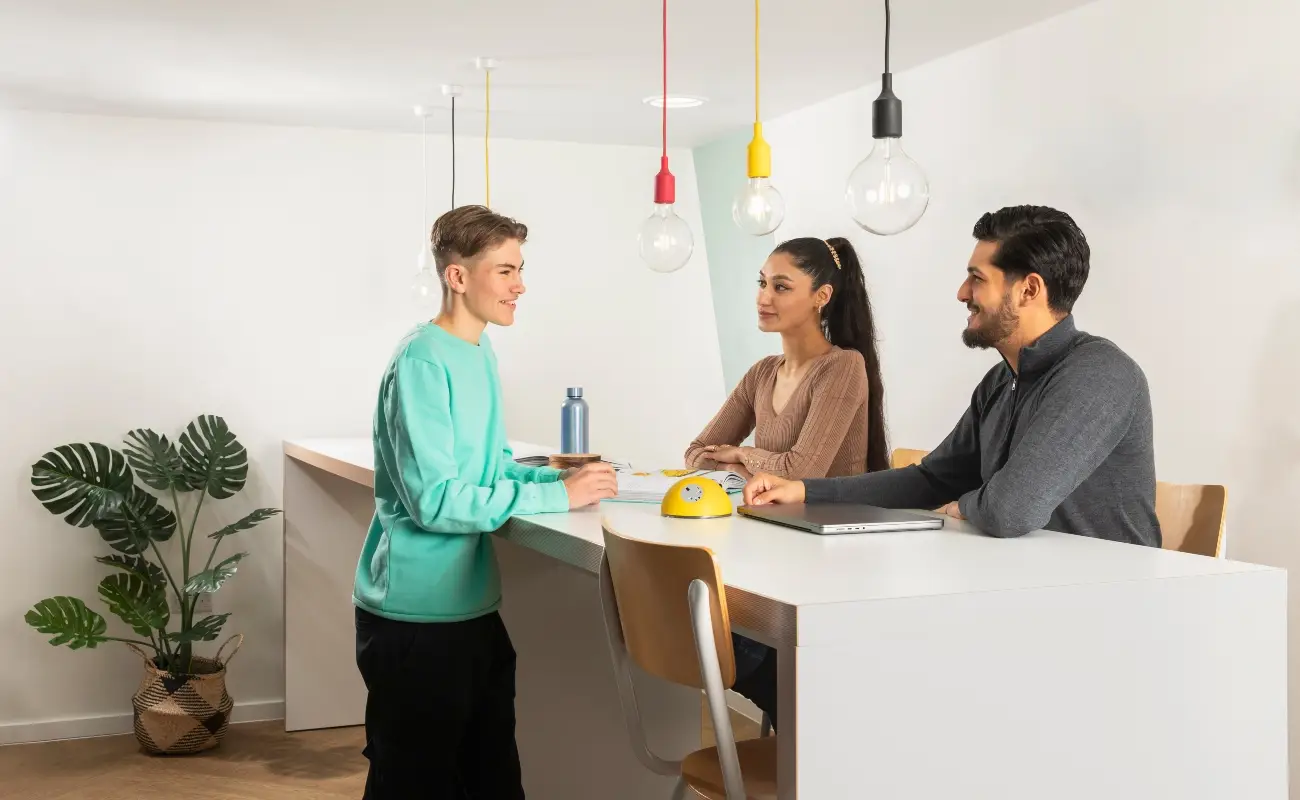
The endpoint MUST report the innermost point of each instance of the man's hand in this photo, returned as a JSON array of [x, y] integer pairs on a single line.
[[590, 484], [952, 510], [763, 489], [723, 453]]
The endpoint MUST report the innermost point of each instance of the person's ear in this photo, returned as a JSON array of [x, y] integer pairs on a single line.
[[1032, 288], [455, 276], [822, 297]]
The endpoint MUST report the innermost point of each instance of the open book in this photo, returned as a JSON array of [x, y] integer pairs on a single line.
[[650, 487]]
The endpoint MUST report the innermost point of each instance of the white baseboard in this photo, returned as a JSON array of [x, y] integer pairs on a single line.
[[744, 707], [114, 724]]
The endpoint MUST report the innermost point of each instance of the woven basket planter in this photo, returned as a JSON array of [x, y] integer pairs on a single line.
[[181, 714]]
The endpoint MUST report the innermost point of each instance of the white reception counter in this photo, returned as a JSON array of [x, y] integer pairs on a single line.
[[914, 666]]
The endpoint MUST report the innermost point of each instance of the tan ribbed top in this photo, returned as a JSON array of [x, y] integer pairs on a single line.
[[820, 433]]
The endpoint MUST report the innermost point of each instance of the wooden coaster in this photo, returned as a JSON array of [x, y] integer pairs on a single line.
[[570, 460]]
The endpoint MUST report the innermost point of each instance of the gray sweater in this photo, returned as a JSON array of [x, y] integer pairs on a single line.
[[1066, 445]]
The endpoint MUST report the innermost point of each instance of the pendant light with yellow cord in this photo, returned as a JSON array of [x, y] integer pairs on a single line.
[[758, 208]]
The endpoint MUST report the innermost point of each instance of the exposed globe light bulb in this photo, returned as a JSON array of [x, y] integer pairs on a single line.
[[887, 192], [426, 287], [665, 240], [758, 208]]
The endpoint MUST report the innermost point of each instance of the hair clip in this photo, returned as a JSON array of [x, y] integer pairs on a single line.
[[834, 254]]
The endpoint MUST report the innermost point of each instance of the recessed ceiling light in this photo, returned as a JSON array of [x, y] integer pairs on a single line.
[[674, 101]]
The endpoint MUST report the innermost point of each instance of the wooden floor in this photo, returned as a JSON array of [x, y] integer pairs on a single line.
[[257, 761]]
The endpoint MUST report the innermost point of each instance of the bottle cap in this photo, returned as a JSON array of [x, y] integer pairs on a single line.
[[575, 391]]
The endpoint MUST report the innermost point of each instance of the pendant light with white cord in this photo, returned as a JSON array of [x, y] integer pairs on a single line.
[[426, 288]]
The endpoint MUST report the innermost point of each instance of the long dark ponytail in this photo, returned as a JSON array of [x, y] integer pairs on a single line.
[[847, 322]]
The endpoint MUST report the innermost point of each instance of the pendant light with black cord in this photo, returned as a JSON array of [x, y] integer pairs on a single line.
[[452, 91], [665, 240], [887, 192]]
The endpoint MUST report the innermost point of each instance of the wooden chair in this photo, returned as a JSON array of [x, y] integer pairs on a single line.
[[666, 609], [902, 457], [1192, 517]]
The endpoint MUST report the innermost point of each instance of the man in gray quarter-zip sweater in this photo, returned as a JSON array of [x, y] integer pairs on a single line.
[[1057, 436]]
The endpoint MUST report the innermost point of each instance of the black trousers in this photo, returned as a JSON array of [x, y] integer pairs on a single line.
[[440, 709], [755, 674]]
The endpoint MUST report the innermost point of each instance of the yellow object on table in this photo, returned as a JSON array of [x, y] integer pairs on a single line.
[[696, 497]]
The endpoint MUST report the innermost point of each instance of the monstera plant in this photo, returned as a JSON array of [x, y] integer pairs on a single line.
[[93, 485]]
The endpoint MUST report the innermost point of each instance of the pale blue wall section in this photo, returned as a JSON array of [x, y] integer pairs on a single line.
[[734, 257]]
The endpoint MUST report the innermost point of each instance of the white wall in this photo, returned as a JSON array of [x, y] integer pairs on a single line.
[[155, 270], [1170, 129]]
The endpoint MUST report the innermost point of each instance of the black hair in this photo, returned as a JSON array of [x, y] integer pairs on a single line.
[[1042, 240], [847, 322]]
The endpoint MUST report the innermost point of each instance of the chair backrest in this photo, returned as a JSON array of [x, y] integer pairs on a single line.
[[1192, 517], [902, 457], [651, 584]]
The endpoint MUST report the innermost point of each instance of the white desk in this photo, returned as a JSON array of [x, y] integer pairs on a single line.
[[918, 666]]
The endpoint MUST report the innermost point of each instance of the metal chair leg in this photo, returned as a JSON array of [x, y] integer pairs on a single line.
[[766, 729]]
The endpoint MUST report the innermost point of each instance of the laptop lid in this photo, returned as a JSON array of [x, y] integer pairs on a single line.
[[841, 518]]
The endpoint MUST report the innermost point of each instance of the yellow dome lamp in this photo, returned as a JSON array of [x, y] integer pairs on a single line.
[[696, 497]]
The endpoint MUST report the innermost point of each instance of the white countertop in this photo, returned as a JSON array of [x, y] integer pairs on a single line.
[[801, 569]]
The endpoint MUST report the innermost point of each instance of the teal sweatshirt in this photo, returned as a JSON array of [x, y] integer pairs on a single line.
[[444, 480]]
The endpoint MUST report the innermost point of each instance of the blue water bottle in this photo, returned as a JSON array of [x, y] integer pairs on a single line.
[[573, 422]]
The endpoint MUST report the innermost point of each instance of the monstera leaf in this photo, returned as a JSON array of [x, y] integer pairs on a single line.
[[134, 523], [135, 565], [213, 458], [83, 482], [205, 630], [251, 521], [156, 461], [70, 620], [139, 604], [210, 580]]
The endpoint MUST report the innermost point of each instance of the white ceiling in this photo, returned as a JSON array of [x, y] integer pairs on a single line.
[[570, 69]]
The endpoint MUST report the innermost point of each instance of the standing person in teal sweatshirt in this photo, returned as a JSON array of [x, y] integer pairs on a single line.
[[431, 647]]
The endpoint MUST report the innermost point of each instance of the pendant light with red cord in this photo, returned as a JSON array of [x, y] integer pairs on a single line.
[[665, 239]]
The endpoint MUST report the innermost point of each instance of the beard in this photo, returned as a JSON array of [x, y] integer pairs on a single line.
[[990, 327]]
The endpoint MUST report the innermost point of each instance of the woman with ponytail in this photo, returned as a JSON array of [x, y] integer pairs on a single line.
[[816, 410]]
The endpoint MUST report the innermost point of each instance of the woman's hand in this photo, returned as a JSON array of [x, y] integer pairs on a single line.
[[723, 453]]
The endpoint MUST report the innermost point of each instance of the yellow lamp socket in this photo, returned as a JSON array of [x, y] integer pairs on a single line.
[[760, 154]]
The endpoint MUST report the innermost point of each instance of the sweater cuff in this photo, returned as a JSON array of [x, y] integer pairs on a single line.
[[820, 490], [968, 503], [755, 460], [554, 498], [547, 475]]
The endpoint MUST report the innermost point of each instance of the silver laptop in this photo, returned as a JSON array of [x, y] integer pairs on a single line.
[[841, 518]]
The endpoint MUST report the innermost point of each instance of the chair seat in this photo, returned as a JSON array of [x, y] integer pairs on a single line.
[[703, 772]]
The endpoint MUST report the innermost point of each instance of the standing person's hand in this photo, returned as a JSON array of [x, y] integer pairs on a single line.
[[763, 489], [590, 484]]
